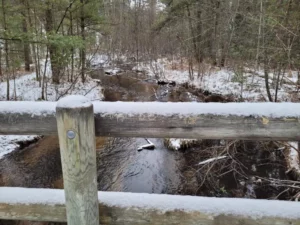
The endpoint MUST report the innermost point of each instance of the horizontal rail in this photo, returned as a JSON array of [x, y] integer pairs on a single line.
[[134, 208], [245, 121]]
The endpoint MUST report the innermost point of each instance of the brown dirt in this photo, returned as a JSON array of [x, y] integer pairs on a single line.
[[101, 142], [126, 88], [37, 165], [215, 98]]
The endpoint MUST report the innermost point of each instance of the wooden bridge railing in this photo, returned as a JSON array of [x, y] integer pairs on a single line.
[[78, 121]]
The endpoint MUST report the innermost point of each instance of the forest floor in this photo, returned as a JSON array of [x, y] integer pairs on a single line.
[[250, 86]]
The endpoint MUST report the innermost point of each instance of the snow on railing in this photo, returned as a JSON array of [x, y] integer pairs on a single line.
[[142, 208], [265, 109], [259, 121]]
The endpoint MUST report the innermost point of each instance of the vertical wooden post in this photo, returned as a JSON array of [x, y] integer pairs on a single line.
[[76, 130]]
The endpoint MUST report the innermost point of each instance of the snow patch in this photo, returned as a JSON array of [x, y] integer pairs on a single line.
[[98, 60], [28, 107], [177, 144], [113, 71], [27, 89], [74, 101], [226, 82], [294, 156], [270, 110], [8, 143]]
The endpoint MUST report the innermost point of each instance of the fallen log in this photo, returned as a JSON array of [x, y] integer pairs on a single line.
[[149, 146]]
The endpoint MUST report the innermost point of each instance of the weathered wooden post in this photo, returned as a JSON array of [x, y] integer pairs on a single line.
[[76, 130]]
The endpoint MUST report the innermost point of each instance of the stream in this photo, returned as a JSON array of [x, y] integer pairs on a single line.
[[122, 168]]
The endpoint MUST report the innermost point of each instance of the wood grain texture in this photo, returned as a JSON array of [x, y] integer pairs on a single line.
[[33, 212], [159, 126], [27, 124], [79, 163]]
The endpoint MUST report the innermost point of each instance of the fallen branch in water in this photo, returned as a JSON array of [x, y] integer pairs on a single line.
[[149, 146], [212, 160]]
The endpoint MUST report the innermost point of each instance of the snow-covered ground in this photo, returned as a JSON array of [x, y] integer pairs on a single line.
[[178, 144], [293, 157], [159, 5], [27, 88], [9, 143], [223, 81]]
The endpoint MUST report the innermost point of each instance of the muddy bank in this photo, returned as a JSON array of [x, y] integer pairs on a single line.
[[37, 165], [132, 86]]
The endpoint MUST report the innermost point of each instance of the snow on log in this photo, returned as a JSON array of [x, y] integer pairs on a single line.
[[272, 110], [248, 121], [178, 144], [149, 146], [266, 109], [292, 159], [138, 208]]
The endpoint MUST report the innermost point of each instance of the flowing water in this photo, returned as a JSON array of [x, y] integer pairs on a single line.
[[122, 168]]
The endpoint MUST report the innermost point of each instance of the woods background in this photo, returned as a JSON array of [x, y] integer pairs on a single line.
[[239, 34]]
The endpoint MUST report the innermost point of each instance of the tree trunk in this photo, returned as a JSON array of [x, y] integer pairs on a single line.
[[216, 41], [199, 33], [266, 64], [82, 51], [266, 72], [72, 50], [35, 47], [192, 32], [136, 31], [258, 37], [277, 82], [6, 50], [7, 68], [44, 76], [0, 63], [27, 58], [52, 48]]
